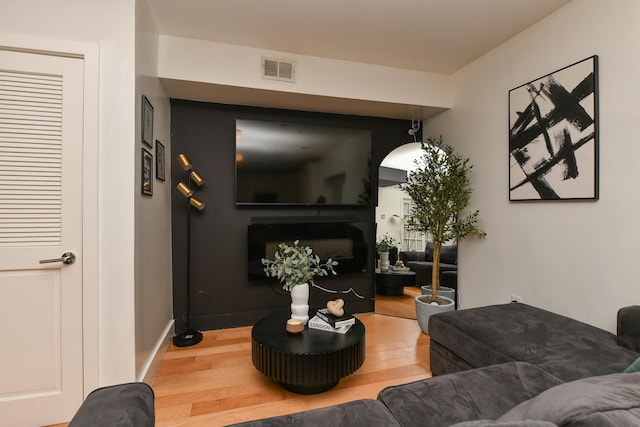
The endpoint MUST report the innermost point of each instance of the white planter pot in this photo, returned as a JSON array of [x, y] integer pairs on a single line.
[[384, 261], [300, 302], [442, 291], [424, 310]]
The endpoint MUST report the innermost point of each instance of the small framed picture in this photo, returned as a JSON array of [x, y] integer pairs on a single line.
[[147, 121], [147, 173], [160, 169]]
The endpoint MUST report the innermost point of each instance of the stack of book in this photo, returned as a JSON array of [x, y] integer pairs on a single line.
[[326, 321]]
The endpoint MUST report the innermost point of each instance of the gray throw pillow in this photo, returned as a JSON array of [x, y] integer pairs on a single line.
[[609, 400]]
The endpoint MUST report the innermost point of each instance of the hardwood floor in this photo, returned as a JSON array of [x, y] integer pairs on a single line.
[[403, 306], [215, 383]]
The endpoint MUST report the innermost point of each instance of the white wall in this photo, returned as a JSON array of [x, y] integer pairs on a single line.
[[389, 204], [574, 258], [110, 26], [232, 65], [153, 273]]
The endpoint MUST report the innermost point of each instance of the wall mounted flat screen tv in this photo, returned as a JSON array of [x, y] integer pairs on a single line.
[[286, 163]]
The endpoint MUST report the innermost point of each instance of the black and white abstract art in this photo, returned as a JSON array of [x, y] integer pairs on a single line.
[[553, 135]]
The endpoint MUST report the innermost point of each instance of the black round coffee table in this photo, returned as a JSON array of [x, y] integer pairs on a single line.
[[312, 361], [392, 284]]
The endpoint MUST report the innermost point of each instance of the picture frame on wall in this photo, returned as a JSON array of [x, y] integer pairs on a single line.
[[147, 173], [147, 122], [160, 161], [553, 135]]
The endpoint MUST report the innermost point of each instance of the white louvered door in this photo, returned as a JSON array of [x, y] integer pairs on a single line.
[[41, 116]]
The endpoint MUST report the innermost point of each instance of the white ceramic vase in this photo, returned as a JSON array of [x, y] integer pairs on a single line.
[[384, 261], [300, 302]]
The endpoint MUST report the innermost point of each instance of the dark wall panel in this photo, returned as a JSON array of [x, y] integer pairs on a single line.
[[221, 294]]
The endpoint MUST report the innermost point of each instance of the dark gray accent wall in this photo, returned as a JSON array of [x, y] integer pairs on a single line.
[[221, 294]]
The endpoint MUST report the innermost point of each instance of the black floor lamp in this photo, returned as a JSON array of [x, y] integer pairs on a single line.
[[189, 336]]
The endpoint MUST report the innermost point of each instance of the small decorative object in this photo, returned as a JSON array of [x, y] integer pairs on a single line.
[[296, 266], [441, 189], [294, 326], [400, 270], [160, 164], [553, 135], [316, 322], [335, 321], [147, 121], [336, 307], [147, 173], [383, 247]]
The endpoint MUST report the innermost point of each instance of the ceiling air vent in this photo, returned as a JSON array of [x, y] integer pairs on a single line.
[[278, 69]]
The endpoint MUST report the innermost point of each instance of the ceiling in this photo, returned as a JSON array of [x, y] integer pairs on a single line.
[[439, 36]]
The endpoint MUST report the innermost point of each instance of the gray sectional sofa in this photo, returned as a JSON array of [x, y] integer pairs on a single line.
[[505, 365]]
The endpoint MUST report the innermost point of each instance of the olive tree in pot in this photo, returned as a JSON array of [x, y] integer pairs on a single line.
[[440, 189]]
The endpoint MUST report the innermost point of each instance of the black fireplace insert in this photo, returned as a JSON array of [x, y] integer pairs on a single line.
[[344, 242]]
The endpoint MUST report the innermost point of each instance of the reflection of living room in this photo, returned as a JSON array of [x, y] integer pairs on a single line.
[[178, 75], [392, 206]]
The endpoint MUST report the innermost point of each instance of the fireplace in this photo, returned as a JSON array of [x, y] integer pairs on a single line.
[[342, 241]]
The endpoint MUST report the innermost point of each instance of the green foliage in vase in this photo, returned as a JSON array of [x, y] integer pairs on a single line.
[[296, 265], [386, 243]]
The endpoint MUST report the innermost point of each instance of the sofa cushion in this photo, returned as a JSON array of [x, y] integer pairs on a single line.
[[448, 253], [566, 348], [484, 393], [407, 256], [610, 400], [358, 413]]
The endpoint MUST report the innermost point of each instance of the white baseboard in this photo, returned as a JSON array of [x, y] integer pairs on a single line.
[[150, 369]]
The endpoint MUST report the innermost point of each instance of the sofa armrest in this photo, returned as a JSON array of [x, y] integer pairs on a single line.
[[629, 327], [124, 405]]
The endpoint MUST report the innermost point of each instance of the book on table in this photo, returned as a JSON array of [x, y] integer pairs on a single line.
[[317, 323], [335, 321]]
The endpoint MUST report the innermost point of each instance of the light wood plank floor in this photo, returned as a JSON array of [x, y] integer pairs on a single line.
[[403, 306], [214, 383]]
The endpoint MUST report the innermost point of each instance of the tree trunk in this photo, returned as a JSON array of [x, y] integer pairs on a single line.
[[435, 270]]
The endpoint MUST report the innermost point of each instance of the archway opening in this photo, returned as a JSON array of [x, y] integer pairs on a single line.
[[393, 205]]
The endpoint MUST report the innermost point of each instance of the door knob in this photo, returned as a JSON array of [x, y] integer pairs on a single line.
[[66, 258]]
